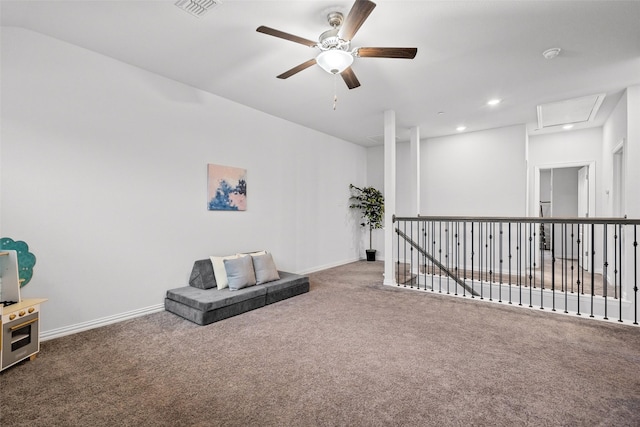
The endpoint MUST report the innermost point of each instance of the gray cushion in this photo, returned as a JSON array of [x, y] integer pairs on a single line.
[[213, 299], [240, 272], [202, 276], [204, 306], [264, 268]]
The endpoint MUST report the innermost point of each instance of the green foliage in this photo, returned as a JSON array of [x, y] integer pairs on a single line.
[[370, 202]]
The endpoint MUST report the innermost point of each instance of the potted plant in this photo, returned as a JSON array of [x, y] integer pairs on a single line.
[[370, 202]]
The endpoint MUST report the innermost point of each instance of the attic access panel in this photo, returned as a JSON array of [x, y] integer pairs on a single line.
[[571, 111], [197, 8]]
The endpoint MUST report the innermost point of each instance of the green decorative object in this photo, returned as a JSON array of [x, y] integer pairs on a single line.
[[26, 260], [370, 202]]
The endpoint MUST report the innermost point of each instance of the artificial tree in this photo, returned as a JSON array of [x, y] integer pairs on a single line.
[[370, 202]]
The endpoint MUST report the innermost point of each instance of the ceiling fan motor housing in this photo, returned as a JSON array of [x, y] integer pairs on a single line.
[[330, 40]]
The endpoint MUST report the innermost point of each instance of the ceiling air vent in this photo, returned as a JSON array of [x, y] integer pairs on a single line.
[[197, 7], [571, 111]]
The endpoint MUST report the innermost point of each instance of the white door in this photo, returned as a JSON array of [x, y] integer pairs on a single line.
[[583, 212]]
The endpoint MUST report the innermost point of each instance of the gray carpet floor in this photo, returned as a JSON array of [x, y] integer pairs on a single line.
[[351, 352]]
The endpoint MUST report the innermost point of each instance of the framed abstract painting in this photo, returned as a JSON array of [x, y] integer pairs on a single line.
[[226, 188]]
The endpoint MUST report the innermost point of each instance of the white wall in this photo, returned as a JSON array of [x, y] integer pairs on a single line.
[[633, 151], [623, 126], [478, 173], [104, 176], [614, 134]]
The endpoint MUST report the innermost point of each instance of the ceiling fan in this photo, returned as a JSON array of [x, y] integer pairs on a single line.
[[335, 55]]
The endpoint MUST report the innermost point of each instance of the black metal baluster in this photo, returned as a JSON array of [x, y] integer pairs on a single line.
[[580, 280], [566, 285], [404, 261], [426, 245], [635, 274], [422, 260], [553, 270], [480, 259], [433, 252], [423, 264], [510, 258], [500, 263], [440, 256], [541, 268], [565, 270], [446, 232], [572, 257], [580, 270], [472, 266], [620, 270], [457, 254], [533, 254], [593, 264], [464, 260], [492, 259], [605, 264], [398, 260], [530, 267], [519, 260], [615, 262]]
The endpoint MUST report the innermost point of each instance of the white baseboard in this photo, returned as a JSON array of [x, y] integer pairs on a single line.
[[324, 267], [73, 329]]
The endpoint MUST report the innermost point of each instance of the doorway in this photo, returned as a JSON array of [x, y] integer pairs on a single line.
[[564, 190]]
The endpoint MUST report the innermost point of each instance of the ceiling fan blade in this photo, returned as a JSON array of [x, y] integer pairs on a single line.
[[286, 36], [357, 15], [388, 52], [297, 69], [350, 78]]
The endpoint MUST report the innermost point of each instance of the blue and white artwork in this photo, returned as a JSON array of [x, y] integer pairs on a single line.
[[227, 188]]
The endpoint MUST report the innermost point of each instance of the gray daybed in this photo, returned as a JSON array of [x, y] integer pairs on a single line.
[[203, 303]]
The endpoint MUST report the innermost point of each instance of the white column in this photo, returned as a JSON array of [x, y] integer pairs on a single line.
[[632, 153], [632, 196], [389, 192], [415, 171]]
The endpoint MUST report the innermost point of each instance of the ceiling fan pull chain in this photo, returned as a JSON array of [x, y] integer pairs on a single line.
[[335, 91]]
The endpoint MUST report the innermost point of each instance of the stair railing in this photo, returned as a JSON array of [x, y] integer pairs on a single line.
[[583, 266]]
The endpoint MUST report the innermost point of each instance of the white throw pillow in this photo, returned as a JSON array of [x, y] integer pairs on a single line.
[[219, 271]]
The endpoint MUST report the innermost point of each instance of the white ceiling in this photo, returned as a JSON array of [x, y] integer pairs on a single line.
[[468, 52]]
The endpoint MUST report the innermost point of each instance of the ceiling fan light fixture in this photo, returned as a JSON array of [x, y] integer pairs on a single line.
[[334, 61]]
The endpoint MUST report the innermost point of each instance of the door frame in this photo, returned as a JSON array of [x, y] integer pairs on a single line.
[[592, 181], [561, 165], [618, 184]]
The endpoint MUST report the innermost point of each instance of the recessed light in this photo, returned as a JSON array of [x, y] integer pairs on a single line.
[[440, 113], [494, 101], [567, 127], [461, 128]]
